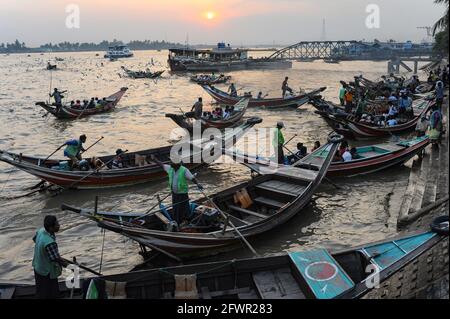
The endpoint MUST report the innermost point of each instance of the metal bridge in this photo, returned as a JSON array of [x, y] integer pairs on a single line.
[[346, 50], [315, 50]]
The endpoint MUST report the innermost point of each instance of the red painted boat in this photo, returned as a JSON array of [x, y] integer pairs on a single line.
[[134, 174], [347, 125], [67, 112], [294, 102], [369, 159]]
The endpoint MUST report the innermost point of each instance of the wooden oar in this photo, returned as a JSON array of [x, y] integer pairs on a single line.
[[229, 222], [74, 262], [53, 153], [149, 212], [101, 138]]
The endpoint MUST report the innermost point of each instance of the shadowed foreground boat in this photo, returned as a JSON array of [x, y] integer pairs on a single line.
[[253, 207], [293, 102], [316, 274], [138, 167], [369, 159], [68, 112]]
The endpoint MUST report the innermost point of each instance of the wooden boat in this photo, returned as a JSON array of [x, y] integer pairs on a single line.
[[307, 274], [132, 174], [68, 112], [209, 80], [142, 74], [254, 207], [348, 126], [188, 123], [369, 159], [51, 66], [294, 102]]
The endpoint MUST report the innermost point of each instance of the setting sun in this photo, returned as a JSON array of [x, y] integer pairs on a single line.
[[210, 15]]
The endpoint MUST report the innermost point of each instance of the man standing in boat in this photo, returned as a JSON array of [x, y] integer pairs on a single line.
[[278, 142], [232, 90], [197, 108], [178, 177], [47, 263], [58, 96], [285, 87], [74, 149]]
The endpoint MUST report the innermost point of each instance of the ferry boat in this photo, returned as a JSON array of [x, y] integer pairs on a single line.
[[118, 51], [220, 59]]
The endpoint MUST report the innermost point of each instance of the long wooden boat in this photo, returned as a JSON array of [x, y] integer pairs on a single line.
[[209, 80], [348, 126], [294, 102], [369, 159], [307, 274], [142, 74], [189, 123], [132, 174], [254, 207], [68, 112]]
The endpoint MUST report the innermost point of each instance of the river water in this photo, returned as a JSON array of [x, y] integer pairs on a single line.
[[363, 209]]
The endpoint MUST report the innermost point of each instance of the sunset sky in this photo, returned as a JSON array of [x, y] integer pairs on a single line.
[[247, 22]]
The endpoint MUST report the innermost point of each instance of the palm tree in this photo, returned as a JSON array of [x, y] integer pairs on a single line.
[[442, 23]]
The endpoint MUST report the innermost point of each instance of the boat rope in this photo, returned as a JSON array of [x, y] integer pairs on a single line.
[[103, 246]]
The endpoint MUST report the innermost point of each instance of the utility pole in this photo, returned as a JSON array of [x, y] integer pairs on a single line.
[[324, 31]]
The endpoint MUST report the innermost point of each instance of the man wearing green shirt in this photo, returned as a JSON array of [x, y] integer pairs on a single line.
[[47, 262], [342, 94], [278, 142], [178, 177]]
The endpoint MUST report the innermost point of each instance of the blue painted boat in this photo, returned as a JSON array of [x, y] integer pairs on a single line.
[[313, 274]]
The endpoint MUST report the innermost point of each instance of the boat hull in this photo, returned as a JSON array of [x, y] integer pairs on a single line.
[[68, 113], [294, 102]]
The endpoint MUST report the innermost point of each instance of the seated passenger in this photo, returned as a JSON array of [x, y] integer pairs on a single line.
[[347, 156], [392, 121], [118, 161], [91, 104], [301, 152], [316, 146], [78, 104]]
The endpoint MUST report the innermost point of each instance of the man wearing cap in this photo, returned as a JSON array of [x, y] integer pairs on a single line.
[[278, 142], [178, 176], [74, 149], [47, 262]]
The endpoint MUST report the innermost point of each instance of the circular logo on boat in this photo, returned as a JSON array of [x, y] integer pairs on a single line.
[[321, 271]]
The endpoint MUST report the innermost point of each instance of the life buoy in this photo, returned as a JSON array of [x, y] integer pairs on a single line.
[[440, 225]]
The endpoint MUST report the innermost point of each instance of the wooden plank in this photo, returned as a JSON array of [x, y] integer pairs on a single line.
[[248, 212], [269, 202], [419, 190], [231, 292], [277, 284], [282, 187], [205, 293], [7, 293], [252, 295], [408, 196]]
